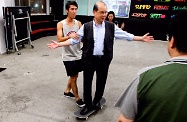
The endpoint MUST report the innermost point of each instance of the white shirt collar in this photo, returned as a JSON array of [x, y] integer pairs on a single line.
[[102, 24]]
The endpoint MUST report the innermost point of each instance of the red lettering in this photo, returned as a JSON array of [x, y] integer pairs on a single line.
[[159, 7]]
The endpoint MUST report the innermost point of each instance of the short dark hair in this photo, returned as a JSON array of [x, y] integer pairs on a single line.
[[178, 30], [71, 3], [95, 7]]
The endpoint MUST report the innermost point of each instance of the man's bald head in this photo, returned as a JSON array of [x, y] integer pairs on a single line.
[[97, 5]]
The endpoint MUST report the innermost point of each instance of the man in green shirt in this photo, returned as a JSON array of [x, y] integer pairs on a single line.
[[159, 93]]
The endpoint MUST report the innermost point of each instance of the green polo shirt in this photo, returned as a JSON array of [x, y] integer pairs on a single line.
[[158, 94]]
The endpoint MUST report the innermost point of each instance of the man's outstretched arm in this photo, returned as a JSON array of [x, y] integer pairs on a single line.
[[120, 34], [55, 44], [68, 42], [144, 38]]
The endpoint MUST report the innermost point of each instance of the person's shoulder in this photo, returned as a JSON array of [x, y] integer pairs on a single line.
[[107, 22], [150, 68], [60, 24], [88, 23], [79, 23], [76, 21], [61, 21]]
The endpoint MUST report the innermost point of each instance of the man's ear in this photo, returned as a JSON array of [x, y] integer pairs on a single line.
[[67, 12], [172, 44]]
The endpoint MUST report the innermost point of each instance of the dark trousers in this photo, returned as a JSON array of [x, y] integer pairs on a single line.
[[99, 66]]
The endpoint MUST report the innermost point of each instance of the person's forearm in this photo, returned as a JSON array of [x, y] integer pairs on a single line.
[[137, 38], [65, 43], [63, 39]]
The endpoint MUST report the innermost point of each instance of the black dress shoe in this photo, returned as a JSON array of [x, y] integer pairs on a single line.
[[86, 110]]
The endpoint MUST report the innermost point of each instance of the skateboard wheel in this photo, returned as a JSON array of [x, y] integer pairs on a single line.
[[19, 53]]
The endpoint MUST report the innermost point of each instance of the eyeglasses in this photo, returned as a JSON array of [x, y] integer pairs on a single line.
[[102, 12]]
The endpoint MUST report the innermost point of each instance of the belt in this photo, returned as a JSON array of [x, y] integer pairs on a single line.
[[97, 56]]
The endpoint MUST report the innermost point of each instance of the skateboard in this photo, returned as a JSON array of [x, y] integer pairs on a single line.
[[79, 116]]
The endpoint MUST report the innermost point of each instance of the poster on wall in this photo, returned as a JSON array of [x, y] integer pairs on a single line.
[[121, 8], [156, 9]]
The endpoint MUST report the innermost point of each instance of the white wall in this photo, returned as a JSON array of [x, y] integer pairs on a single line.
[[9, 2], [2, 35], [47, 7]]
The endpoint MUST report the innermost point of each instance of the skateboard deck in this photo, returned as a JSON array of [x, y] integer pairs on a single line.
[[78, 115]]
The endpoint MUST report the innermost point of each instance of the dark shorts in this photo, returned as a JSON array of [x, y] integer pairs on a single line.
[[73, 67]]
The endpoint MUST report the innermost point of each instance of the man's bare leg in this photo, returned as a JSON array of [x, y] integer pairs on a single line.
[[72, 84], [74, 87], [68, 88]]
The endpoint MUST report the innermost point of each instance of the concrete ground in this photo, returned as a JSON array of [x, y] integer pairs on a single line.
[[32, 86]]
